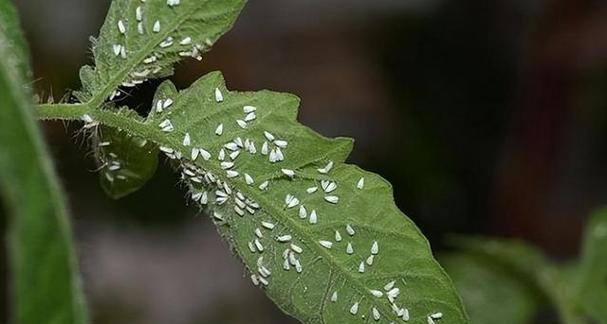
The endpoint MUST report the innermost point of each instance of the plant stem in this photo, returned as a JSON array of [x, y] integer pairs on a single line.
[[62, 111], [75, 112], [112, 118]]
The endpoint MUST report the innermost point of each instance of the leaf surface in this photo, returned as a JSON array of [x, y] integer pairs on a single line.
[[592, 273], [244, 156], [45, 284], [126, 162], [15, 42], [141, 40], [519, 257], [485, 286], [531, 268]]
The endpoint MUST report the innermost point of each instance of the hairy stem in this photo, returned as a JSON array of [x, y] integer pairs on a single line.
[[112, 118], [62, 111]]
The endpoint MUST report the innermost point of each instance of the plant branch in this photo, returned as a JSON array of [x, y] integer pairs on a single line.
[[62, 111], [118, 119]]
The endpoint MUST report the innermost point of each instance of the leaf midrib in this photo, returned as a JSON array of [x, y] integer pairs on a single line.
[[241, 132], [302, 232], [143, 130], [119, 120], [115, 119]]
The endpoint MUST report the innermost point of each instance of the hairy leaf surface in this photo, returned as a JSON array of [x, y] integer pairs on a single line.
[[44, 280], [592, 286], [287, 203], [141, 40]]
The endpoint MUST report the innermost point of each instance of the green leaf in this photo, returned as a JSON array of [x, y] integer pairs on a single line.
[[139, 41], [9, 24], [592, 275], [142, 40], [45, 285], [516, 256], [126, 162], [248, 203], [485, 286], [531, 268]]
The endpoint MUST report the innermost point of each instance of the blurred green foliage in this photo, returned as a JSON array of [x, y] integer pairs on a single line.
[[45, 281], [510, 281]]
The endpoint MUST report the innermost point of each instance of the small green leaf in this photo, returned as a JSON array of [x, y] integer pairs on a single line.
[[517, 256], [126, 162], [323, 238], [592, 275], [532, 270], [142, 40], [45, 285], [485, 287]]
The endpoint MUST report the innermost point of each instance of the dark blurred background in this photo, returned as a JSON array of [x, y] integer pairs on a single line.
[[488, 116]]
